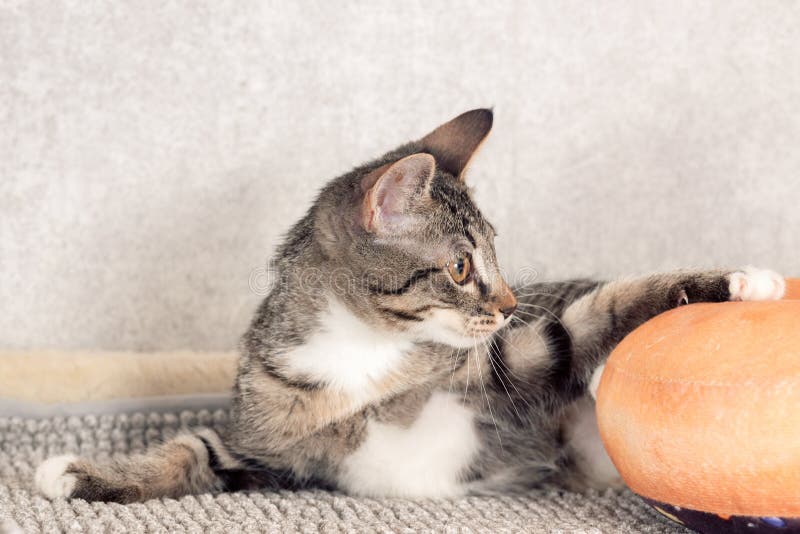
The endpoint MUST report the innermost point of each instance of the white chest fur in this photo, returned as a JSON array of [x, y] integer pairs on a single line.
[[583, 437], [346, 353], [423, 460]]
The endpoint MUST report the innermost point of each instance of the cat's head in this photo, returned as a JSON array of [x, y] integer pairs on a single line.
[[419, 253]]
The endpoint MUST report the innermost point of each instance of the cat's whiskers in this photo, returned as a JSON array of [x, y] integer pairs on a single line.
[[502, 382], [511, 380], [553, 315], [485, 394], [506, 340], [538, 294], [535, 331]]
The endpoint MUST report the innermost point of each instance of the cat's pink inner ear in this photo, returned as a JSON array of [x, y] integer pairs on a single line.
[[388, 203], [454, 143]]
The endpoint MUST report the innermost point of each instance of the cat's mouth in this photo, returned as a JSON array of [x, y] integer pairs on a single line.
[[483, 333], [482, 328], [486, 325], [476, 334], [471, 338], [453, 329]]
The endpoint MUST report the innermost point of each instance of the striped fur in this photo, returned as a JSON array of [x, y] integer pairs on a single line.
[[371, 368]]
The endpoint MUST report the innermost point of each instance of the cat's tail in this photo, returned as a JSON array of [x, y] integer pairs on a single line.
[[190, 463]]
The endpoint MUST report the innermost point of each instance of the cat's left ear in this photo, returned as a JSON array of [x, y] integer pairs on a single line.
[[454, 143], [393, 191]]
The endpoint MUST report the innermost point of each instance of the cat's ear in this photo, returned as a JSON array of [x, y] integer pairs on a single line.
[[391, 192], [454, 143]]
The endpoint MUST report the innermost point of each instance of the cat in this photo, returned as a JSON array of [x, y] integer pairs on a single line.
[[391, 358]]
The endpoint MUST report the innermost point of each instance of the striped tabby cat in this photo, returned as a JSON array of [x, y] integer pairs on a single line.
[[392, 358]]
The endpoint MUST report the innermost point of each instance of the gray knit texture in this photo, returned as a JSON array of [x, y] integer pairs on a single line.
[[25, 442]]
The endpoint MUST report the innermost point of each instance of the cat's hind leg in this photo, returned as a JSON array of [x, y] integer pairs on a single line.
[[190, 463]]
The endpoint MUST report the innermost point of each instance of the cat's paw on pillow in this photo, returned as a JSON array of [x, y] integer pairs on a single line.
[[752, 283]]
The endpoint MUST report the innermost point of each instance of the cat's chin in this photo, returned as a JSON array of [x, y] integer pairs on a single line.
[[447, 328]]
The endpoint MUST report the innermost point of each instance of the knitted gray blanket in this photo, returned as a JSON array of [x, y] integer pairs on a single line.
[[25, 442]]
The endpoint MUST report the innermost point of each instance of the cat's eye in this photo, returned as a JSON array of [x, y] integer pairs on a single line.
[[460, 268]]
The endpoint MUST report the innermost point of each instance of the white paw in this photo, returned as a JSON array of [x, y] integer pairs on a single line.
[[756, 284], [51, 478], [594, 383]]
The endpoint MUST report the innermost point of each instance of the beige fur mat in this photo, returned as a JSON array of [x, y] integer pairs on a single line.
[[66, 377]]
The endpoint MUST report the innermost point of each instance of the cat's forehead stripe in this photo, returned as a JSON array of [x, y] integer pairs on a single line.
[[464, 213], [470, 238]]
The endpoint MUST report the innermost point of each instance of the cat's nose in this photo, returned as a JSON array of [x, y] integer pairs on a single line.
[[507, 303], [508, 311]]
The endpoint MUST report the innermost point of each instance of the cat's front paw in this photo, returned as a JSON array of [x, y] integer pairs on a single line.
[[52, 479], [756, 284]]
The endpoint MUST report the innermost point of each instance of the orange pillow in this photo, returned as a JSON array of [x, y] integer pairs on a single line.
[[699, 409], [792, 289]]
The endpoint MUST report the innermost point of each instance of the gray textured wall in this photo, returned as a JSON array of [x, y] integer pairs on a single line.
[[152, 152]]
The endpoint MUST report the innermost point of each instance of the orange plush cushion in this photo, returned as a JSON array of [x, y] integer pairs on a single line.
[[793, 289], [700, 407]]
